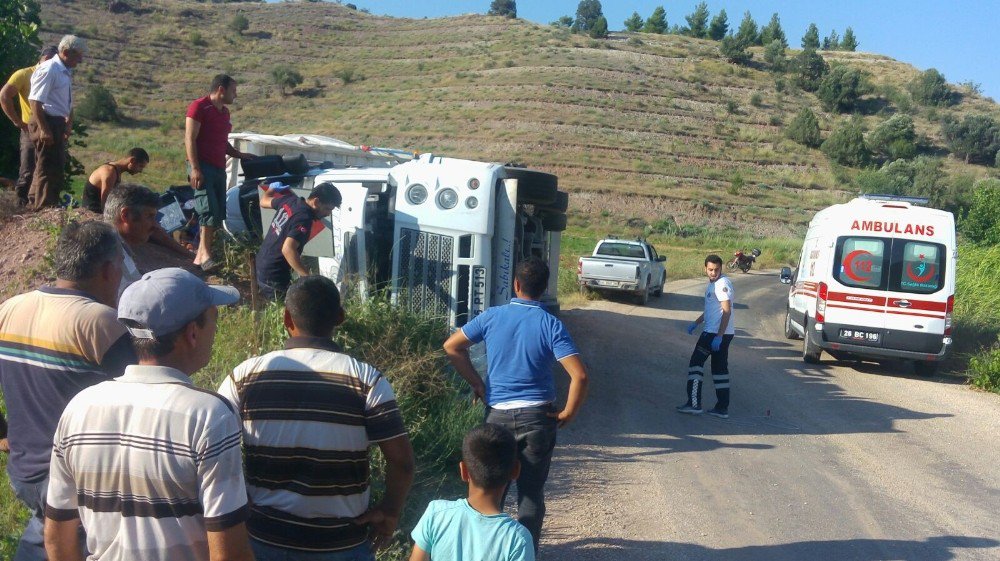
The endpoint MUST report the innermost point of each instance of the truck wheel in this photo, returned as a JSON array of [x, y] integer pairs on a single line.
[[925, 368], [553, 222], [810, 350], [560, 204], [643, 297], [789, 330], [659, 291], [534, 187]]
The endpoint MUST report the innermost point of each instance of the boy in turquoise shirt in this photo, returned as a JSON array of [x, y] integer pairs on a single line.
[[476, 528]]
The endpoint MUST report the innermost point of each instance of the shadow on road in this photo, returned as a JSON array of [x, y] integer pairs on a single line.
[[940, 548]]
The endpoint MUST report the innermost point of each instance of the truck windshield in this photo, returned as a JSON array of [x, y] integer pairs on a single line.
[[619, 249]]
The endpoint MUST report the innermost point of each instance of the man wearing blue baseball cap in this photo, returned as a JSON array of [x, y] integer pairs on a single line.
[[170, 483]]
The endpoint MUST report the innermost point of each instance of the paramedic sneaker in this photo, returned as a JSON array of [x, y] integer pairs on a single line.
[[720, 413], [687, 409]]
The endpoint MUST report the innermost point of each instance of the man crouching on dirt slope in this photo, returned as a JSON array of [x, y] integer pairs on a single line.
[[523, 341], [714, 341]]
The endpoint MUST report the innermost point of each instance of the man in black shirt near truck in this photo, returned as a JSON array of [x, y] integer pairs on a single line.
[[296, 221]]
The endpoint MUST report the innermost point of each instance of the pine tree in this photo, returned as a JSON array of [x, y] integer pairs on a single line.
[[657, 22], [505, 8], [832, 41], [930, 88], [587, 13], [734, 50], [747, 33], [774, 56], [846, 144], [849, 42], [634, 23], [842, 88], [698, 21], [811, 39], [600, 28], [719, 26], [809, 68], [773, 32]]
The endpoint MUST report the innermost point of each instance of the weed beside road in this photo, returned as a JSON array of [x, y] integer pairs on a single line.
[[977, 315]]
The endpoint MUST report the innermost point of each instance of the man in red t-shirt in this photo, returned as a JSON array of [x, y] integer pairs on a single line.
[[206, 142]]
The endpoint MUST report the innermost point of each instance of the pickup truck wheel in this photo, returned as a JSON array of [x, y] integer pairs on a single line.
[[659, 291], [789, 330], [925, 368], [534, 187], [560, 204], [810, 350], [643, 297], [553, 222]]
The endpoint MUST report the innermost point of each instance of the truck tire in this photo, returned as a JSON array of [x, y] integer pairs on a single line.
[[560, 204], [534, 187], [659, 291], [789, 330], [643, 297], [925, 368], [552, 222], [810, 350]]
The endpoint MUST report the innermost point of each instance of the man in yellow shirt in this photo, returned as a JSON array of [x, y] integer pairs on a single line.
[[15, 92]]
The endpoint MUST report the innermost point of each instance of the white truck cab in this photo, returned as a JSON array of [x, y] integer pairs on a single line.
[[876, 279], [441, 235]]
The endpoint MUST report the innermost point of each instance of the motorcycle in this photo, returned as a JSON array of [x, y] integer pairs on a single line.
[[744, 261]]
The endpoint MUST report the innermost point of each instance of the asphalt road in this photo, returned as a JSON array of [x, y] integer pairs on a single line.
[[839, 461]]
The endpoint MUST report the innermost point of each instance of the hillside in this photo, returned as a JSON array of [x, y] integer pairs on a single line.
[[638, 125]]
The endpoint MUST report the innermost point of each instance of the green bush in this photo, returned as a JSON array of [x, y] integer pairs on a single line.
[[804, 129], [756, 99], [841, 88], [809, 68], [846, 145], [285, 78], [196, 39], [894, 138], [734, 50], [982, 224], [239, 24], [930, 88], [984, 370], [99, 105], [975, 138]]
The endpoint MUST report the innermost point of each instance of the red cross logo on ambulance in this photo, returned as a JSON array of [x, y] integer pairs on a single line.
[[858, 266], [922, 272]]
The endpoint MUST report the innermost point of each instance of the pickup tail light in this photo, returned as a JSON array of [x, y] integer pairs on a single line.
[[638, 272], [947, 314], [821, 296], [579, 266]]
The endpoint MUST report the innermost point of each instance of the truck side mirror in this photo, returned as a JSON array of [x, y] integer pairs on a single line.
[[786, 275], [661, 258]]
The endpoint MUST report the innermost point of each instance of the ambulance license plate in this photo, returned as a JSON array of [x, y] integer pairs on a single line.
[[860, 335]]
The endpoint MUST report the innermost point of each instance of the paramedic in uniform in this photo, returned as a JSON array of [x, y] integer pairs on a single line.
[[714, 341]]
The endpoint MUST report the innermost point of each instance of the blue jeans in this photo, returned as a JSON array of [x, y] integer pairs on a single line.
[[536, 439], [265, 552]]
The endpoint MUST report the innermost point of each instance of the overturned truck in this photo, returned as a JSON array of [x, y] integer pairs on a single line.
[[441, 235]]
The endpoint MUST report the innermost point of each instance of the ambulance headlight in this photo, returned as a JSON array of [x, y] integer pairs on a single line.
[[416, 194], [447, 198], [472, 202]]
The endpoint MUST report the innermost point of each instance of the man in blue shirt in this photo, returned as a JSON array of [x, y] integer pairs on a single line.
[[523, 342]]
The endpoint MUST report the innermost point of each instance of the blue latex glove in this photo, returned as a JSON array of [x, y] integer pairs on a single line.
[[716, 343], [691, 327]]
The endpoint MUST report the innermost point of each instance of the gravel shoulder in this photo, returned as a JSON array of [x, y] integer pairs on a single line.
[[835, 461]]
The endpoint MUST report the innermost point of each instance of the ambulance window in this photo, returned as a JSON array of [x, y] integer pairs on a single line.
[[917, 267], [859, 262]]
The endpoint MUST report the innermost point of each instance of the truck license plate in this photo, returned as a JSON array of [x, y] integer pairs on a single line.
[[859, 335], [606, 283]]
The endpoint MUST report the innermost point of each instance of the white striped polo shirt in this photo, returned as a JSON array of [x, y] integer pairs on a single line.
[[310, 413], [148, 463]]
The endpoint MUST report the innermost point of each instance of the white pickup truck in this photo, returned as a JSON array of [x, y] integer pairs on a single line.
[[623, 266]]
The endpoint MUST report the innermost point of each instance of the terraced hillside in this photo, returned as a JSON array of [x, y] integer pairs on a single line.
[[637, 125]]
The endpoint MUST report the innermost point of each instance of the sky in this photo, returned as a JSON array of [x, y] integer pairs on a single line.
[[960, 38]]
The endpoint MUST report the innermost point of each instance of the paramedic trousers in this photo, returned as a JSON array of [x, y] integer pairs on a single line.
[[535, 432], [720, 371]]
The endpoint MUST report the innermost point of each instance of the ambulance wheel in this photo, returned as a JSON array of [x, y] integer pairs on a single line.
[[810, 350], [789, 330], [534, 187], [925, 368], [553, 222]]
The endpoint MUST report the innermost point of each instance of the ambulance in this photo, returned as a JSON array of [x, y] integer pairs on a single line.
[[876, 280]]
